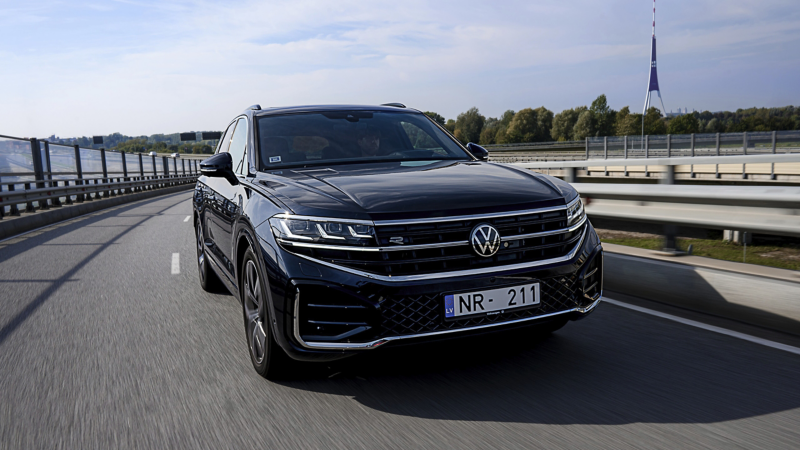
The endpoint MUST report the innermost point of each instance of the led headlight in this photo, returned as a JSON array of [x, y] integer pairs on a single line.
[[575, 212], [322, 230]]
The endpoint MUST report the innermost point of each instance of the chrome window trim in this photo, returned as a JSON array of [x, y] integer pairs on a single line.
[[378, 342], [379, 223], [453, 274]]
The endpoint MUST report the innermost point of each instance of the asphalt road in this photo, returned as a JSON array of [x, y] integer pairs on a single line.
[[103, 346]]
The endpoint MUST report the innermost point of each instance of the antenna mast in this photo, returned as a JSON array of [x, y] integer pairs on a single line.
[[652, 82]]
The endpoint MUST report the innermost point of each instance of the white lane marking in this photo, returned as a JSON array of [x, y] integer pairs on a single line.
[[187, 218], [692, 323], [176, 263]]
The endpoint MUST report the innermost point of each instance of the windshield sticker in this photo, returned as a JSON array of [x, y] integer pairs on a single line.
[[274, 159]]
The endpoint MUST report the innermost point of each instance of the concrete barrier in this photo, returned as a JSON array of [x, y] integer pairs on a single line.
[[12, 226], [762, 296]]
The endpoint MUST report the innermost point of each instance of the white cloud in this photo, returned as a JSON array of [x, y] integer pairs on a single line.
[[179, 65]]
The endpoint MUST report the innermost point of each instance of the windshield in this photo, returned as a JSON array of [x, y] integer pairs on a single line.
[[351, 136]]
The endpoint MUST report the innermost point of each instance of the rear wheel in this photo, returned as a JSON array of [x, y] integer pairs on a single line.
[[208, 278], [268, 358]]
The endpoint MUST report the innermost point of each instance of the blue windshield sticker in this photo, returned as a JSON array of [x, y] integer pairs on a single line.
[[274, 159]]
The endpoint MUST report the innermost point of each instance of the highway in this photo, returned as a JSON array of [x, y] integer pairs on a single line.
[[108, 341]]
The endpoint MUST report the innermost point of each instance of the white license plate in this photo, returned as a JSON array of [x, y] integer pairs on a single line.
[[491, 301]]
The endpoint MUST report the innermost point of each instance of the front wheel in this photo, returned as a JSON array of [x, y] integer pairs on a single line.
[[208, 278], [268, 358]]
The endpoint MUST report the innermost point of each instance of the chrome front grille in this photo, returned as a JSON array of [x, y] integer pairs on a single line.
[[442, 245]]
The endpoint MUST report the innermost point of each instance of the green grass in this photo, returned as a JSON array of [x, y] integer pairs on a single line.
[[784, 257]]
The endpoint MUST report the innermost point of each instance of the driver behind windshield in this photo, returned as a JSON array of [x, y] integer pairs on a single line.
[[369, 141]]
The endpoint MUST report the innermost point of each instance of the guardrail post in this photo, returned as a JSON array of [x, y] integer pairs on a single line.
[[691, 166], [587, 148], [744, 146], [671, 239], [183, 166], [774, 147], [625, 154], [79, 170], [28, 205], [38, 171], [105, 170], [605, 154], [669, 146], [646, 153], [716, 166], [13, 210], [744, 143], [55, 201], [166, 170], [141, 172]]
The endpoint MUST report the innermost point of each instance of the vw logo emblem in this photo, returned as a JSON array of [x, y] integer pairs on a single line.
[[485, 240]]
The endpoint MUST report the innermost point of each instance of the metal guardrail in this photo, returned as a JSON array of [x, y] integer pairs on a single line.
[[669, 164], [656, 146], [37, 174], [759, 209], [59, 192], [773, 210]]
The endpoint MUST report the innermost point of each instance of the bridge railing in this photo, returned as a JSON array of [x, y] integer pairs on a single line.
[[37, 174], [656, 146]]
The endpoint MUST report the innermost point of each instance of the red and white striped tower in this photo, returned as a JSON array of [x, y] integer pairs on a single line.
[[652, 83]]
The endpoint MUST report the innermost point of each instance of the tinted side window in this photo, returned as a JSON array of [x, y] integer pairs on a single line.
[[238, 142], [225, 140]]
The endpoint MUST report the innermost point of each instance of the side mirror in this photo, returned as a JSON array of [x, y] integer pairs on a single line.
[[219, 165], [478, 151]]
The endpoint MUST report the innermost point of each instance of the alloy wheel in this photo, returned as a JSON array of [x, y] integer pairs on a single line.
[[253, 300], [201, 253]]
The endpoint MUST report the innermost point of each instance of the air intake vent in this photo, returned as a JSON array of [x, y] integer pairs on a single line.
[[327, 314]]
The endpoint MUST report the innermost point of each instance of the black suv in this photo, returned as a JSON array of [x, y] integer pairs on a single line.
[[346, 228]]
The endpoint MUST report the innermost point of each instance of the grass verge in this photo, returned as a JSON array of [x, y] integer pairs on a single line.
[[783, 256]]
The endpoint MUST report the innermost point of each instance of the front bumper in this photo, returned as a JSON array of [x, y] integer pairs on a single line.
[[326, 313]]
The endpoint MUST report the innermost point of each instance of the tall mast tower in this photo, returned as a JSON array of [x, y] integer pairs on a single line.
[[652, 82]]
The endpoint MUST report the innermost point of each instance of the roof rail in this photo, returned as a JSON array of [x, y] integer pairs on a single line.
[[396, 105], [254, 108]]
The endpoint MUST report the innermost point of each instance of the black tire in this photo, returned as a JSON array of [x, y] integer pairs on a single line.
[[208, 278], [268, 358]]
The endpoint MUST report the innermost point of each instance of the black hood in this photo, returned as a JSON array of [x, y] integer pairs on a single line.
[[413, 189]]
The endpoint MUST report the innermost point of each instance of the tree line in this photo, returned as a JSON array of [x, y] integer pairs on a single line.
[[162, 143], [598, 119], [525, 125]]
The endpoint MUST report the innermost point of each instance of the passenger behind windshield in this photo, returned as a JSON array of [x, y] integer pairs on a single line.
[[334, 137]]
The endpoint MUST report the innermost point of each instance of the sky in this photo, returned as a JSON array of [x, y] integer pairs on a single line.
[[138, 67]]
